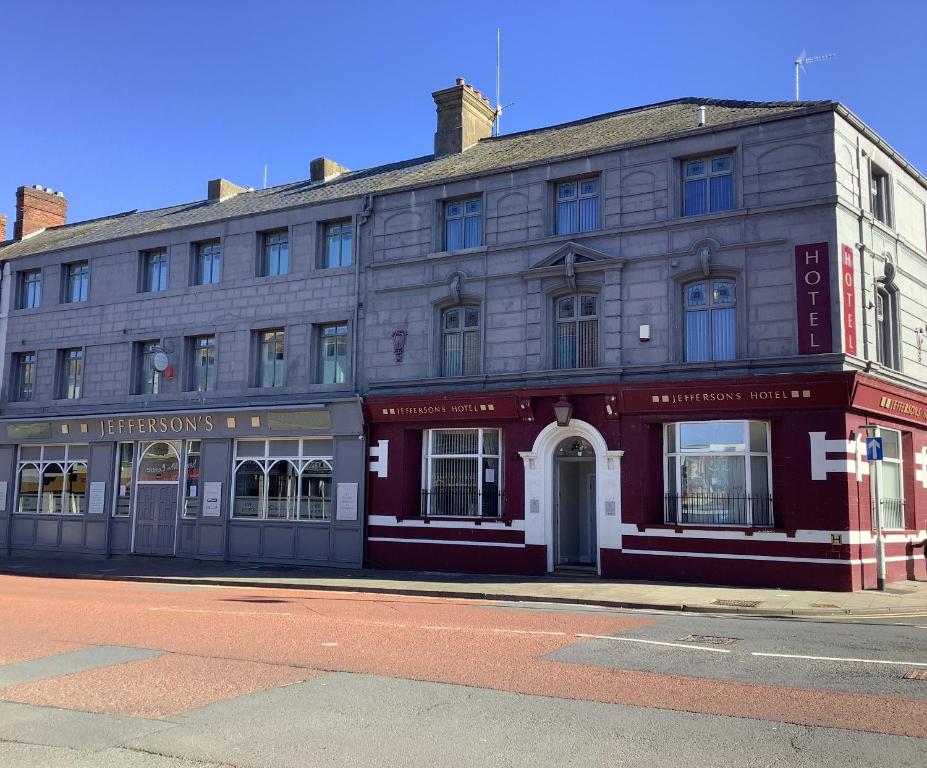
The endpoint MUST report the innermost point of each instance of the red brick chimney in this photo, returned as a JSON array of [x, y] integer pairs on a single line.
[[2, 227], [37, 208]]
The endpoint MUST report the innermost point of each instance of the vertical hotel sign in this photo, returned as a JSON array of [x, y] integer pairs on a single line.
[[848, 290], [812, 285]]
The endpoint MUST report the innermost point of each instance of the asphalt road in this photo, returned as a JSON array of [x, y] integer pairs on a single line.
[[104, 674]]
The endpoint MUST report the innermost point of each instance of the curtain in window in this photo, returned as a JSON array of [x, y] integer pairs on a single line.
[[722, 193], [565, 345], [696, 201], [588, 214], [697, 336], [722, 333]]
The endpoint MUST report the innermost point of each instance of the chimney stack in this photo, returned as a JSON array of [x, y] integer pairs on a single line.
[[324, 169], [37, 208], [221, 189], [700, 116], [464, 117], [2, 228]]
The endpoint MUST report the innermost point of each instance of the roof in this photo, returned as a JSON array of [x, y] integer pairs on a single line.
[[587, 136]]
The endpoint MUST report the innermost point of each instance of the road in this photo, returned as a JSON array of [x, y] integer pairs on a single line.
[[96, 673]]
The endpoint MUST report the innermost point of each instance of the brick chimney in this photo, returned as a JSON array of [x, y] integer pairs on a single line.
[[464, 117], [38, 207], [222, 189], [324, 169], [2, 228]]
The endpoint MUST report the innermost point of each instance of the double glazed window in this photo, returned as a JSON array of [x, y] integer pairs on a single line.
[[72, 373], [576, 331], [52, 480], [577, 206], [208, 263], [76, 282], [463, 224], [203, 353], [890, 495], [339, 237], [708, 185], [24, 385], [887, 338], [717, 473], [460, 341], [880, 193], [275, 253], [334, 353], [149, 378], [30, 289], [710, 320], [462, 473], [270, 358], [154, 265]]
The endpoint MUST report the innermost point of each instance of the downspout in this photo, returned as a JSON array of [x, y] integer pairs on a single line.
[[861, 245], [361, 219]]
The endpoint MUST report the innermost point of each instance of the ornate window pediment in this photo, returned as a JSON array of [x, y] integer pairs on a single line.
[[567, 258]]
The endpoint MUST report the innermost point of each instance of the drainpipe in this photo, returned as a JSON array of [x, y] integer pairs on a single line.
[[360, 219], [861, 245]]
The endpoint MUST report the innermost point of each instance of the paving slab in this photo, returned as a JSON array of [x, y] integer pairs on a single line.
[[69, 663]]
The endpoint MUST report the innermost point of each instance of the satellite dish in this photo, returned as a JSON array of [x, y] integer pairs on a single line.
[[160, 361]]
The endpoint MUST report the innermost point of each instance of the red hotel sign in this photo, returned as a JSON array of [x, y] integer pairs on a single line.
[[443, 408], [848, 290], [812, 285]]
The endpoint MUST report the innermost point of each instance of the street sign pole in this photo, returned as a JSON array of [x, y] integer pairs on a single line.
[[872, 430]]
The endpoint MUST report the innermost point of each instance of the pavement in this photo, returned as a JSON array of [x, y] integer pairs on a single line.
[[909, 597]]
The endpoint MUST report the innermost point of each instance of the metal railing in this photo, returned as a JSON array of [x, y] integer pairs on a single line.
[[456, 501], [892, 513], [718, 509]]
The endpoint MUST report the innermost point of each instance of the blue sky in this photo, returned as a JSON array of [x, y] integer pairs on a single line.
[[137, 104]]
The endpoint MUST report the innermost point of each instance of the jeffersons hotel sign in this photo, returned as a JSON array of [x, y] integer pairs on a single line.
[[812, 286]]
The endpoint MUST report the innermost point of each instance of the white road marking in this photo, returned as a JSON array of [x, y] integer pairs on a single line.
[[835, 658], [495, 630], [233, 613], [530, 632], [329, 645], [656, 642]]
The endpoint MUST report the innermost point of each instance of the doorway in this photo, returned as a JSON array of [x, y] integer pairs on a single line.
[[157, 488], [575, 539]]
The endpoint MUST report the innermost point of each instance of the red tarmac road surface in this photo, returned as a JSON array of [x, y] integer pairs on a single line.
[[226, 642]]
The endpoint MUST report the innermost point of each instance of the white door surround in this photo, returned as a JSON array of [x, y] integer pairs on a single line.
[[540, 506]]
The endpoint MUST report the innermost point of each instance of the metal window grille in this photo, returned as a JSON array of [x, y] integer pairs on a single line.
[[462, 473], [576, 332], [460, 341]]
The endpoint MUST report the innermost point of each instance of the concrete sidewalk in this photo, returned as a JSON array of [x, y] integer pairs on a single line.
[[902, 598]]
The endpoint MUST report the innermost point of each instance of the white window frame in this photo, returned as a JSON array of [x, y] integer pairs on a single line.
[[899, 462], [66, 463], [427, 470]]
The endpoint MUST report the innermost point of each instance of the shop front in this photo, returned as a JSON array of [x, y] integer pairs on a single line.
[[271, 485]]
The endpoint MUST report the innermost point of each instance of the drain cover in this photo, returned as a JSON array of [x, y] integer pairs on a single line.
[[709, 639], [916, 674], [738, 603]]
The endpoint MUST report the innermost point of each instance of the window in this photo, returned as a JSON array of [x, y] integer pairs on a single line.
[[577, 206], [888, 342], [890, 490], [460, 341], [149, 378], [717, 473], [72, 373], [191, 479], [282, 480], [576, 332], [207, 263], [334, 351], [203, 369], [52, 480], [339, 236], [710, 320], [123, 506], [708, 185], [76, 282], [275, 256], [462, 473], [270, 358], [463, 224], [154, 265], [880, 189], [30, 289], [25, 376]]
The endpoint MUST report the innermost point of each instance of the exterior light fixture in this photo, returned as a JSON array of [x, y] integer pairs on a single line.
[[563, 411]]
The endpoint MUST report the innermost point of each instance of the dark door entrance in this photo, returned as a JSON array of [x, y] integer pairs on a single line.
[[155, 519], [575, 534]]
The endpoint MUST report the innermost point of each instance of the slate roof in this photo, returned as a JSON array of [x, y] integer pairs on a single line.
[[590, 135]]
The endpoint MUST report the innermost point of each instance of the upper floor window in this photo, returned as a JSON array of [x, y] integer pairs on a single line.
[[275, 253], [577, 206], [460, 341], [339, 238], [710, 320], [208, 263], [880, 189], [708, 185], [76, 282], [203, 352], [30, 289], [72, 373], [155, 270], [463, 224], [888, 339], [24, 384], [149, 377], [334, 353], [576, 331], [462, 472], [270, 358]]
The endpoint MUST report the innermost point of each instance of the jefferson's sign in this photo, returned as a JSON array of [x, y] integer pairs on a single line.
[[797, 394], [443, 408], [155, 425]]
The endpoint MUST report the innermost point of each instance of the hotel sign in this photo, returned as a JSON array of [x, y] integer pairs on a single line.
[[812, 287], [848, 292], [444, 409], [878, 401], [735, 397]]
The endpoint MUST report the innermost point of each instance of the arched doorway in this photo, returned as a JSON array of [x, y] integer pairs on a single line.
[[574, 504]]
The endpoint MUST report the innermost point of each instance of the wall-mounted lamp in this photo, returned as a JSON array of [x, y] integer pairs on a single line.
[[563, 411]]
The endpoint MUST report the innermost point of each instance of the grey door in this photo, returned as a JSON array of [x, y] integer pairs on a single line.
[[575, 533], [155, 518]]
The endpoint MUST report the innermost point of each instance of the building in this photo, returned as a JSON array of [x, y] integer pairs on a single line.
[[640, 345]]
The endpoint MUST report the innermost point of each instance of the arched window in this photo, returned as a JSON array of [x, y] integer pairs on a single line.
[[888, 340], [576, 332], [28, 489], [460, 341], [75, 489], [315, 493], [52, 488], [281, 490], [710, 320], [249, 490], [159, 463]]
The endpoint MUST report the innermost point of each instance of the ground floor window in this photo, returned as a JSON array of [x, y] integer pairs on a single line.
[[123, 507], [461, 473], [52, 480], [890, 496], [191, 479], [717, 473], [283, 480]]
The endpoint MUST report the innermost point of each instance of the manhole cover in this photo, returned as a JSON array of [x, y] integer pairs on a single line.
[[709, 639], [824, 605], [916, 674], [738, 603]]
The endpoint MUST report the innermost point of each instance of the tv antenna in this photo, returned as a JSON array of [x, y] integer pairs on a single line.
[[800, 67], [497, 112]]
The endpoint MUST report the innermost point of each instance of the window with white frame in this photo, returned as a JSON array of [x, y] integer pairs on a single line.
[[887, 338], [463, 224], [576, 331], [890, 494], [577, 206], [710, 320], [461, 473], [282, 480], [52, 480], [708, 185], [717, 473], [460, 341]]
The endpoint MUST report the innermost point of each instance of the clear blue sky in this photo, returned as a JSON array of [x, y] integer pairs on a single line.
[[137, 104]]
